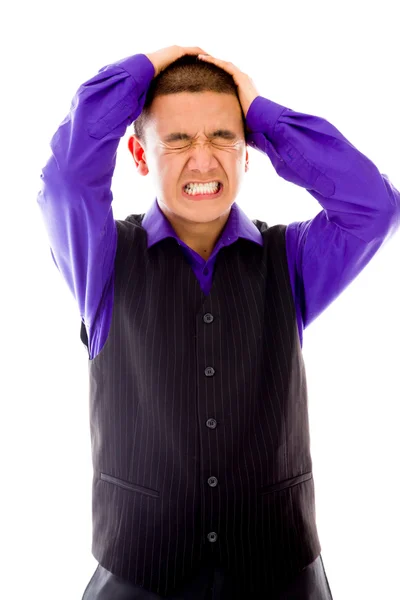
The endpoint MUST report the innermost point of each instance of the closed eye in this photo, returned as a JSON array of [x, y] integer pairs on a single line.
[[220, 142]]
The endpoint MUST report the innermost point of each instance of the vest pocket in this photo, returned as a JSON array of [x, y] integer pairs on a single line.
[[134, 487], [282, 485]]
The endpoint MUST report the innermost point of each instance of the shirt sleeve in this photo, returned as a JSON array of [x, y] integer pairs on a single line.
[[75, 196], [360, 206]]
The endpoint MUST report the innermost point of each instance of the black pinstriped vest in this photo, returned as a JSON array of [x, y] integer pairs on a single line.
[[199, 419]]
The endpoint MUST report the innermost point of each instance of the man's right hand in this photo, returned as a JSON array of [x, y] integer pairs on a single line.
[[164, 57]]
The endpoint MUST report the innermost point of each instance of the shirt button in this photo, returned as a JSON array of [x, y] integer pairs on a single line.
[[208, 318], [212, 536], [211, 423], [212, 481], [209, 372]]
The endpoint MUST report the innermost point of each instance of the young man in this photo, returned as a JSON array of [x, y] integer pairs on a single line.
[[193, 316]]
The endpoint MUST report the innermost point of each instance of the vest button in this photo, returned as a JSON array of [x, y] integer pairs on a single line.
[[208, 318], [212, 481], [211, 423], [209, 372], [212, 536]]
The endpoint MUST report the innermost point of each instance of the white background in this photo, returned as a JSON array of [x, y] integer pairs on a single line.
[[336, 61]]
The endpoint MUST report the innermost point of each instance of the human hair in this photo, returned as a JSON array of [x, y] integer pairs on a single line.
[[186, 74]]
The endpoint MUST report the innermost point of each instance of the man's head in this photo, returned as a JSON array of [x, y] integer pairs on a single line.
[[195, 99]]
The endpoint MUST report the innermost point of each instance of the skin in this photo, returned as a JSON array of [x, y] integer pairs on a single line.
[[170, 165]]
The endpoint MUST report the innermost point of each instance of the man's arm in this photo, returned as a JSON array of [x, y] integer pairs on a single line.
[[361, 207], [75, 197]]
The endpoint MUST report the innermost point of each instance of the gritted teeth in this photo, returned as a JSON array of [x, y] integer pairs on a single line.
[[208, 183], [211, 185]]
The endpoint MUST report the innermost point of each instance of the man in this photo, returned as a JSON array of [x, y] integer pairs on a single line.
[[193, 316]]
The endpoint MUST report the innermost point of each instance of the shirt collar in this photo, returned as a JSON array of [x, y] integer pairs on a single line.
[[238, 225]]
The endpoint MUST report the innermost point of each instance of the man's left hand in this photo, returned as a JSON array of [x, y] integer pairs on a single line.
[[247, 91]]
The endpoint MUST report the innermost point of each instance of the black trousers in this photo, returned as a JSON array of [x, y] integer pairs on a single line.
[[209, 584]]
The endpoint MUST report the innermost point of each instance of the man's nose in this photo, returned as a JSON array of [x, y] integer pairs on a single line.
[[202, 152]]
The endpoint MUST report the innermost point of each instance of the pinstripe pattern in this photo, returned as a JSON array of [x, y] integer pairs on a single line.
[[199, 419]]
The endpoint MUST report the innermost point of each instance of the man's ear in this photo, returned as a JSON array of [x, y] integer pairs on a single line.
[[138, 153]]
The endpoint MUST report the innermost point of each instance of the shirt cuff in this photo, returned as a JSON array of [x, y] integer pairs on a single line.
[[263, 115]]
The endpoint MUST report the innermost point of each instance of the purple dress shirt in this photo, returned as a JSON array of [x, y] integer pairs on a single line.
[[360, 206]]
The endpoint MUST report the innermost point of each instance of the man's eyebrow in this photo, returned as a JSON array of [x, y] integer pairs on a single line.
[[224, 133]]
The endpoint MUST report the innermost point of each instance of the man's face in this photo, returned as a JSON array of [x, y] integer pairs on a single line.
[[173, 163]]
